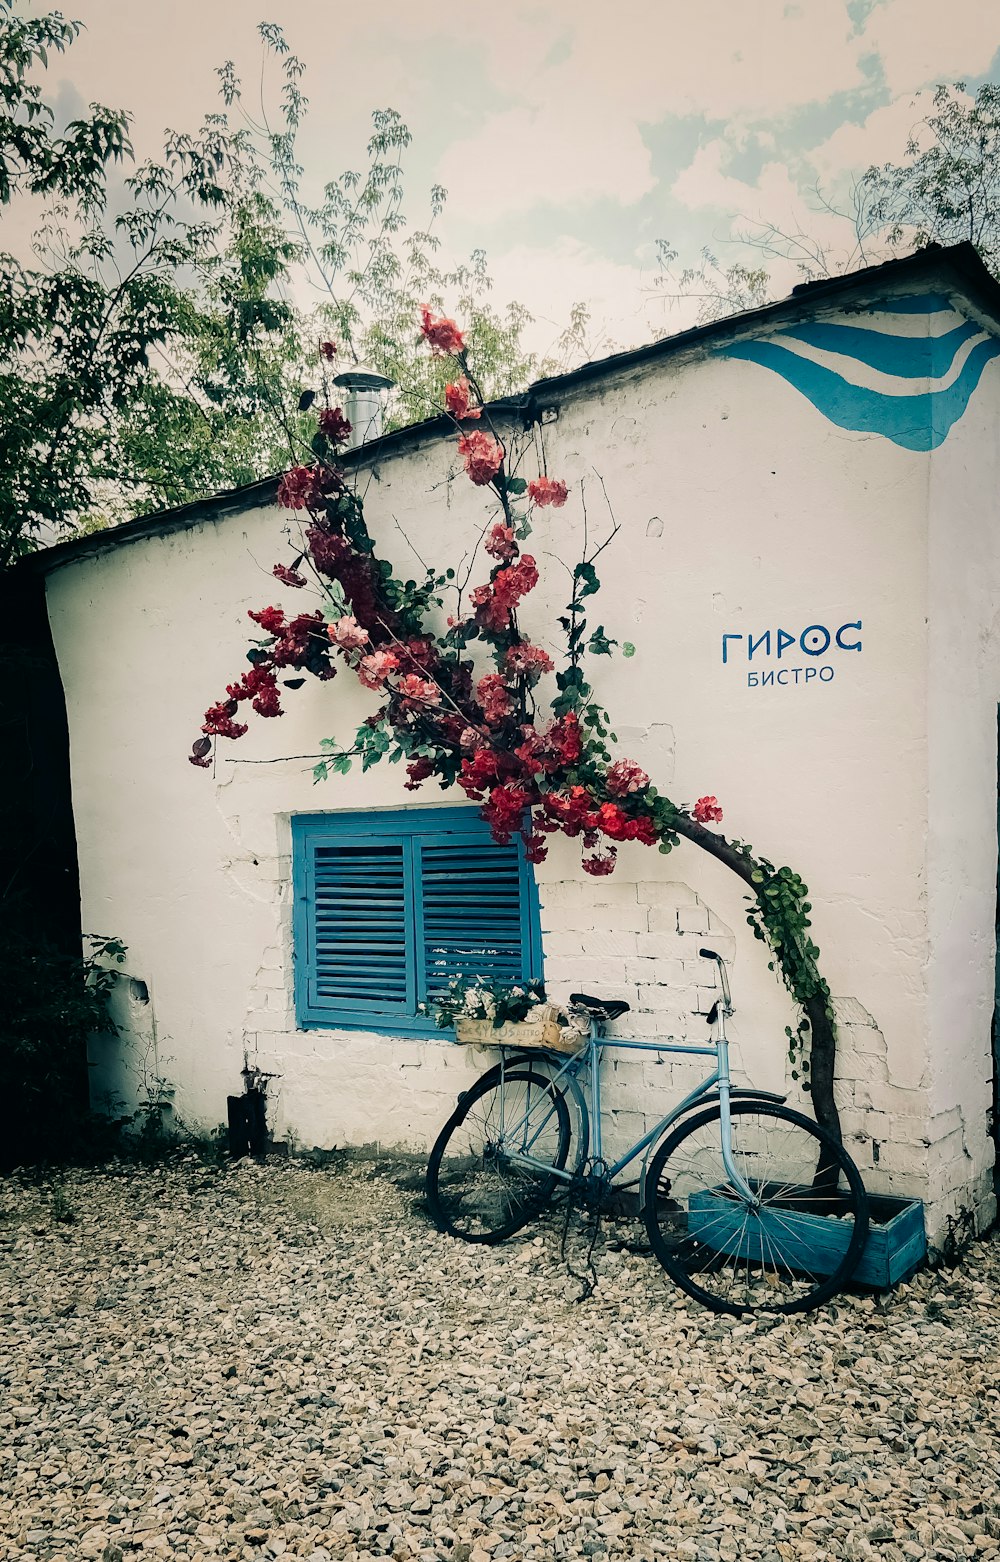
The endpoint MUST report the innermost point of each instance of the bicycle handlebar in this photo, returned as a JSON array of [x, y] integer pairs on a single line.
[[710, 954]]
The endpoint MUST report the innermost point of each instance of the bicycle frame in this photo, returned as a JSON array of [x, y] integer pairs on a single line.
[[589, 1058]]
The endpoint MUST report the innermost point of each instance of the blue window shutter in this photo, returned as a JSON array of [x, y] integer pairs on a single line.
[[390, 905], [363, 925], [471, 916]]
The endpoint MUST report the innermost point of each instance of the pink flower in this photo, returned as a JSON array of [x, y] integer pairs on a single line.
[[334, 425], [548, 490], [413, 687], [500, 543], [288, 577], [600, 864], [456, 399], [328, 350], [494, 698], [625, 776], [373, 670], [442, 334], [707, 811], [482, 455], [528, 662], [348, 633]]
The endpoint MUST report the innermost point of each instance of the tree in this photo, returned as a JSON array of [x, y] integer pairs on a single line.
[[89, 322], [356, 252], [948, 187], [945, 189], [153, 350]]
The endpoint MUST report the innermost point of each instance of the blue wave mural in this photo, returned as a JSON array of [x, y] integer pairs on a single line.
[[917, 421]]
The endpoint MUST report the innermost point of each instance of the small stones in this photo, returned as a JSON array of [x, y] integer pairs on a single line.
[[272, 1362]]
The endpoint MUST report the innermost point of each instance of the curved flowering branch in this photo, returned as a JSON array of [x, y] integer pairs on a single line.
[[534, 771]]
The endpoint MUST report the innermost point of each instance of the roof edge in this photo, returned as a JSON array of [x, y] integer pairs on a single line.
[[961, 259]]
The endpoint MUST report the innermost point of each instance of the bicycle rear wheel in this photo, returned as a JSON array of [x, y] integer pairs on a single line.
[[793, 1249], [489, 1171]]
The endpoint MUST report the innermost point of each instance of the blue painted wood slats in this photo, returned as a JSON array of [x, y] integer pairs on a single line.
[[390, 905]]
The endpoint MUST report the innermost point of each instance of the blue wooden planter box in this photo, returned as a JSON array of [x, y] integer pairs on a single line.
[[896, 1241]]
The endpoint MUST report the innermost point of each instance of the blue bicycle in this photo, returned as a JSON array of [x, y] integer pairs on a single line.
[[749, 1205]]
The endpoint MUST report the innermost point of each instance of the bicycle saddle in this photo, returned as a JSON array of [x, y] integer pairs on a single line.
[[601, 1008]]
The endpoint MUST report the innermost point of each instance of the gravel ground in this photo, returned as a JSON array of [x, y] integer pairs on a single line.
[[255, 1362]]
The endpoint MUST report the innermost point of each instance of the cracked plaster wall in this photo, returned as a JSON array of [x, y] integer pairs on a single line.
[[726, 528]]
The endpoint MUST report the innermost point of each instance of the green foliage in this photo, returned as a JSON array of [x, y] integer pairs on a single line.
[[52, 1005], [948, 187], [151, 354], [779, 916], [355, 247], [131, 345]]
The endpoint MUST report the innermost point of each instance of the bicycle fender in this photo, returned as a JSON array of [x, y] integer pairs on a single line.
[[737, 1094]]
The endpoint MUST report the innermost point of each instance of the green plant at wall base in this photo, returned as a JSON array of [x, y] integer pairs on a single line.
[[51, 1005], [538, 758]]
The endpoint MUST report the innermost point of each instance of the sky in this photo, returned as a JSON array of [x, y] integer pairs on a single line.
[[571, 135]]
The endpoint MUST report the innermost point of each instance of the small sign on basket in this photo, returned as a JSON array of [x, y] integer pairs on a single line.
[[545, 1030]]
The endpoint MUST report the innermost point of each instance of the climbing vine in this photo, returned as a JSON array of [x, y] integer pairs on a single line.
[[464, 698]]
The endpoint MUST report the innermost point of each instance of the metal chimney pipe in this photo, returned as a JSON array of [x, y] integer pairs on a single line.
[[364, 401]]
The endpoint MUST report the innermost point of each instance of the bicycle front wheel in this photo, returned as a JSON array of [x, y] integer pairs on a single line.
[[492, 1168], [791, 1248]]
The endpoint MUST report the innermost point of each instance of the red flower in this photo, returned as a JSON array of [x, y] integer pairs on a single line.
[[328, 350], [625, 776], [202, 760], [483, 770], [482, 455], [334, 425], [288, 577], [706, 810], [548, 490], [601, 863], [301, 637], [456, 399], [570, 809], [500, 543], [270, 619], [565, 734], [610, 818], [494, 603], [528, 662], [219, 721], [442, 334], [645, 831], [259, 686], [418, 770], [504, 811], [492, 695], [535, 847], [299, 488], [327, 550]]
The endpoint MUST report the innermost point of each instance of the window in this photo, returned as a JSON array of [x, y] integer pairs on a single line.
[[390, 905]]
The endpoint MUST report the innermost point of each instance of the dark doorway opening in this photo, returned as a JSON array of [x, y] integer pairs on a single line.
[[995, 1103]]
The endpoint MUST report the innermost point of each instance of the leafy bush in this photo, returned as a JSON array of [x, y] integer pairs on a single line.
[[52, 1003]]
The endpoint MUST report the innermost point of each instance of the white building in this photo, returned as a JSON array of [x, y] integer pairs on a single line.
[[809, 567]]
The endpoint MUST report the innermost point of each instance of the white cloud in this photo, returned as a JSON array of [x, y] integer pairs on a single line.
[[550, 279], [576, 133], [546, 155], [922, 41], [881, 138]]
